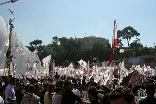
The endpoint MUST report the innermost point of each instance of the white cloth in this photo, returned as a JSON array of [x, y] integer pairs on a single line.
[[56, 99], [1, 100], [76, 92], [9, 93]]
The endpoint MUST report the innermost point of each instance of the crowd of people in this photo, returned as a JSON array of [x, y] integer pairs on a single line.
[[70, 90]]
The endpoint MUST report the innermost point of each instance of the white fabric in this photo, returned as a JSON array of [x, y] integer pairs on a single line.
[[76, 92], [1, 100]]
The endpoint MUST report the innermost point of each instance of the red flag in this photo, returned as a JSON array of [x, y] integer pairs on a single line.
[[11, 11], [112, 55], [28, 62], [116, 43], [115, 34]]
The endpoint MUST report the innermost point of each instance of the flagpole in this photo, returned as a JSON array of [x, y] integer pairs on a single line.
[[8, 53]]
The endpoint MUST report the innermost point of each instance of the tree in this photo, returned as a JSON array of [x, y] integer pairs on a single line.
[[136, 44], [36, 42], [127, 33]]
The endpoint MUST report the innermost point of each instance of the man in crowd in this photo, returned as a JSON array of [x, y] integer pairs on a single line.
[[92, 95], [92, 83], [150, 99], [68, 97], [56, 99], [18, 93], [122, 95], [10, 92], [45, 89], [49, 94], [31, 98]]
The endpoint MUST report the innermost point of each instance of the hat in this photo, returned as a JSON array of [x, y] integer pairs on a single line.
[[68, 82]]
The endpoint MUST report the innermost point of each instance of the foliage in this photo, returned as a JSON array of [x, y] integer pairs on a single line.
[[127, 33], [66, 51]]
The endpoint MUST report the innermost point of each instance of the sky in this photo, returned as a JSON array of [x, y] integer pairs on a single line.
[[44, 19]]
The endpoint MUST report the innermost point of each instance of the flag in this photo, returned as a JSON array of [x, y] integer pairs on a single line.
[[121, 50], [112, 55], [28, 62], [116, 43], [94, 58], [16, 34], [11, 11], [115, 34]]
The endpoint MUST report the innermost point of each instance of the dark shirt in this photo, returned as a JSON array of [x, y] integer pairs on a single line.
[[68, 97], [57, 76], [92, 84], [42, 96], [148, 101], [95, 101], [19, 95]]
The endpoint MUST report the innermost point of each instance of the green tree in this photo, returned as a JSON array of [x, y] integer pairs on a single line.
[[127, 33], [136, 44]]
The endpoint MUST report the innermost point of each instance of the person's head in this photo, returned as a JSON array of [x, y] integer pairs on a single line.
[[46, 86], [58, 90], [31, 89], [92, 79], [12, 81], [69, 85], [51, 88], [19, 86], [135, 77], [121, 95], [92, 93], [150, 89]]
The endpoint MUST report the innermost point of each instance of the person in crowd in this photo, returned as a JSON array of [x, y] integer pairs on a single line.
[[18, 93], [56, 99], [76, 90], [84, 80], [150, 99], [57, 77], [68, 97], [1, 100], [48, 95], [122, 95], [92, 95], [30, 98], [92, 83], [45, 89], [6, 82], [10, 92], [37, 90]]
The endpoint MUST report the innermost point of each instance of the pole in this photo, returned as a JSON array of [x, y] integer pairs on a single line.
[[8, 53]]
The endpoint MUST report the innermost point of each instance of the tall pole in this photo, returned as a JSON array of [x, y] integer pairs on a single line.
[[8, 53]]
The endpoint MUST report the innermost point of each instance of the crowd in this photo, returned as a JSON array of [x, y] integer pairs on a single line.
[[71, 90]]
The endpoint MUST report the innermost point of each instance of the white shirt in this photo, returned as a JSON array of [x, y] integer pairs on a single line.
[[9, 93], [56, 99], [1, 100], [76, 92]]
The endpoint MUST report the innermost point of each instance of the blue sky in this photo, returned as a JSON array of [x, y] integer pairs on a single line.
[[44, 19]]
